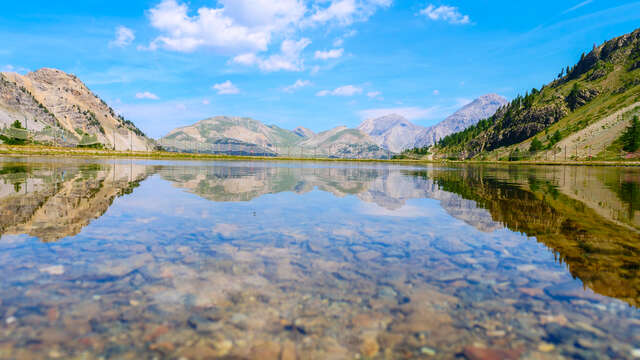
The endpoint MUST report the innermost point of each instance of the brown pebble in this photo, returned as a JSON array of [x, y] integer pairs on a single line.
[[156, 333], [163, 347], [479, 353], [52, 314], [369, 346]]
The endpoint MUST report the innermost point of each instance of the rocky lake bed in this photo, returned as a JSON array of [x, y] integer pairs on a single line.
[[120, 259]]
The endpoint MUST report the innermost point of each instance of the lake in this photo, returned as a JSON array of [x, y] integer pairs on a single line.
[[134, 259]]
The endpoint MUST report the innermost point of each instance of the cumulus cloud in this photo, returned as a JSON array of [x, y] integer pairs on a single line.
[[124, 37], [374, 94], [446, 13], [147, 95], [245, 29], [436, 92], [215, 28], [297, 85], [289, 58], [330, 54], [226, 88], [347, 90], [411, 113]]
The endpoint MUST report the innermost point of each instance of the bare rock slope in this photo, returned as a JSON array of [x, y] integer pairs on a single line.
[[50, 101]]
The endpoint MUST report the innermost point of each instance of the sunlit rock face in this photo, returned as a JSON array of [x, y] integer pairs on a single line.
[[50, 99]]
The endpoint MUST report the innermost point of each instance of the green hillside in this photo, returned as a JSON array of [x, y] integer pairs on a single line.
[[583, 112]]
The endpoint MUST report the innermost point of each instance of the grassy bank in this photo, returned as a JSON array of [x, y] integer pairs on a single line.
[[31, 150]]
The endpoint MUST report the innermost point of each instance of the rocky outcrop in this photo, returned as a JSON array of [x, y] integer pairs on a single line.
[[52, 98]]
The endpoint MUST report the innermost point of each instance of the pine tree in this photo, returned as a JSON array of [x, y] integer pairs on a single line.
[[535, 145], [631, 136]]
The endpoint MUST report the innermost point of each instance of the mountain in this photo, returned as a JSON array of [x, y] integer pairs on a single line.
[[303, 132], [245, 136], [395, 133], [57, 107], [344, 142], [582, 113], [392, 132], [480, 108], [236, 130]]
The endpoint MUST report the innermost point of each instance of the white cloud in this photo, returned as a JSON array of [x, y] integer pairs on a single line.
[[11, 68], [147, 95], [246, 29], [446, 13], [578, 6], [347, 90], [330, 54], [374, 94], [345, 12], [436, 92], [411, 113], [206, 102], [241, 25], [289, 58], [297, 85], [460, 102], [226, 88], [124, 37], [338, 42]]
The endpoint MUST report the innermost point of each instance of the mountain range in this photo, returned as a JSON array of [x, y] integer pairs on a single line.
[[57, 108], [374, 138], [395, 133]]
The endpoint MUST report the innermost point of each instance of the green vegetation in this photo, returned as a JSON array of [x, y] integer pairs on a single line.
[[15, 134], [602, 82], [536, 145], [631, 137]]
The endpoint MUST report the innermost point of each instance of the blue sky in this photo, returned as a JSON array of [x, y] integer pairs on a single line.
[[312, 63]]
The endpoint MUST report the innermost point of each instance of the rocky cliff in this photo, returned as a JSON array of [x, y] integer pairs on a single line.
[[58, 107]]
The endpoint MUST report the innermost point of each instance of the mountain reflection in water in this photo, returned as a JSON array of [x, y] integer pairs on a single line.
[[319, 260]]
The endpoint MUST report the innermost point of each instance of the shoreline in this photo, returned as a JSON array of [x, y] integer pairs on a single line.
[[28, 150]]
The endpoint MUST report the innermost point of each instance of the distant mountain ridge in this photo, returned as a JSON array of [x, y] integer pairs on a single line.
[[248, 136], [373, 138], [56, 106], [396, 133]]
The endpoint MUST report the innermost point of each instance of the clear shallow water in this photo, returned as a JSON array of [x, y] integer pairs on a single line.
[[134, 259]]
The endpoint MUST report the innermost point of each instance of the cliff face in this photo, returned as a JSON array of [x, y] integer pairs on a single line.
[[52, 100]]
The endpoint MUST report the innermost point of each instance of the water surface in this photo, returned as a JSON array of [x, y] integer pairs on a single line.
[[138, 259]]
